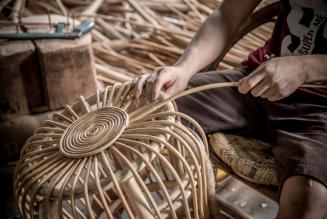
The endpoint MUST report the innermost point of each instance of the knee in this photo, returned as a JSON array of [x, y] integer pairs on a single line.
[[303, 197]]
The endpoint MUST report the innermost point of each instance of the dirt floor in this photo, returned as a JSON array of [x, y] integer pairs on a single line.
[[230, 189]]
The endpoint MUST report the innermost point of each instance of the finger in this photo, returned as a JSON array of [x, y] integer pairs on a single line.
[[272, 91], [157, 86], [276, 97], [167, 85], [260, 88], [250, 81], [148, 87], [150, 81], [171, 90], [140, 85]]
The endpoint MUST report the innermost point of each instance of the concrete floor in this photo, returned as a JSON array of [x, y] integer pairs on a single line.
[[230, 189], [247, 199]]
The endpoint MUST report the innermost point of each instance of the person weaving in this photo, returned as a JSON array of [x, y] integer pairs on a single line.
[[269, 104]]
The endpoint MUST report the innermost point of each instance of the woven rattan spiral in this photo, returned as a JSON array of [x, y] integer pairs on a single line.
[[93, 132]]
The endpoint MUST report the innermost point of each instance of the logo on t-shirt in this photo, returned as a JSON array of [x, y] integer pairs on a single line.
[[307, 28]]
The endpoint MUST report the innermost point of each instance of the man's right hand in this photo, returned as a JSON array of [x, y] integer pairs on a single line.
[[172, 79]]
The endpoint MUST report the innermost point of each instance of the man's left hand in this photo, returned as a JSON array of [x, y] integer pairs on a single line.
[[275, 79]]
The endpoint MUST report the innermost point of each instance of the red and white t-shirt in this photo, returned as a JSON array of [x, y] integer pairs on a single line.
[[300, 29]]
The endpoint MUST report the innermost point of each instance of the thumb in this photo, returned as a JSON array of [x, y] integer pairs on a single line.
[[172, 90], [156, 87], [250, 81]]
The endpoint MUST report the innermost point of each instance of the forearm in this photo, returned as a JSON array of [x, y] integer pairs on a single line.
[[214, 33], [315, 68], [208, 42]]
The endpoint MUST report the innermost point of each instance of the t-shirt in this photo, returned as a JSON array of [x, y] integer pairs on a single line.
[[300, 29]]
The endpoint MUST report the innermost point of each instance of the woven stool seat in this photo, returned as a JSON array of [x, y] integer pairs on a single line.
[[250, 159]]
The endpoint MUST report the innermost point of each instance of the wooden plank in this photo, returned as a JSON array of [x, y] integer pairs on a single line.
[[17, 60], [68, 68], [15, 131]]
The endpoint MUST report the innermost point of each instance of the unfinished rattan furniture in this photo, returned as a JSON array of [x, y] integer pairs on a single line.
[[109, 156]]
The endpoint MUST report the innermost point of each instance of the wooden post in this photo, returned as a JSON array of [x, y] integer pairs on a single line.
[[42, 75], [19, 76], [68, 69]]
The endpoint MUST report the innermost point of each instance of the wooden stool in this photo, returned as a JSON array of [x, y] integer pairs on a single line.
[[250, 161]]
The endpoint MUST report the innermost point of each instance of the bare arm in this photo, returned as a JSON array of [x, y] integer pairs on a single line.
[[213, 34], [315, 67], [206, 45]]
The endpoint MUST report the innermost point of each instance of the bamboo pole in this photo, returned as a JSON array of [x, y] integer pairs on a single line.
[[136, 5], [93, 8]]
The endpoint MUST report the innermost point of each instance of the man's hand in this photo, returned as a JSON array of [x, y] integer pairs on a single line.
[[276, 78], [171, 78]]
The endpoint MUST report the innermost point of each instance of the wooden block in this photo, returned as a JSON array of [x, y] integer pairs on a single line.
[[68, 69], [44, 74], [17, 62], [15, 131]]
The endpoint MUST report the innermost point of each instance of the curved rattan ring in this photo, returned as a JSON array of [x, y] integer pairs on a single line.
[[249, 158]]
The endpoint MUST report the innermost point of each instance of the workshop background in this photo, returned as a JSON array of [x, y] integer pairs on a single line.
[[130, 37]]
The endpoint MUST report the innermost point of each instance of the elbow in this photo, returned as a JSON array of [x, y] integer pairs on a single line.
[[224, 21]]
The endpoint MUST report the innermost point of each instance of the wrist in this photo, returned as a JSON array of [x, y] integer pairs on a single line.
[[187, 68], [314, 67], [306, 72]]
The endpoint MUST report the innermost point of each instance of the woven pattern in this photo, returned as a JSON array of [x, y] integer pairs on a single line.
[[108, 156], [249, 158]]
